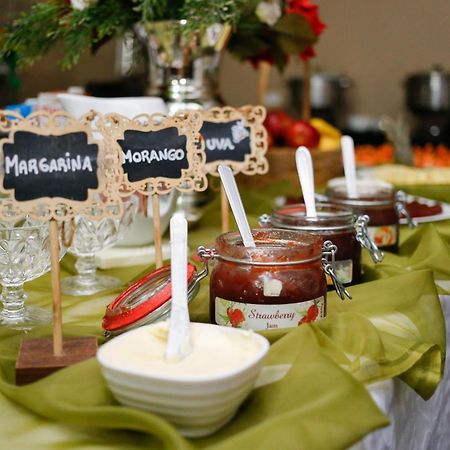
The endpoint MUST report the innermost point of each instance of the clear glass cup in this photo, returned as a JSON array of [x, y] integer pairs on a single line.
[[24, 256], [89, 237]]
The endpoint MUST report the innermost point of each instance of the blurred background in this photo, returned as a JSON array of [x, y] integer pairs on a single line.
[[376, 44], [388, 58]]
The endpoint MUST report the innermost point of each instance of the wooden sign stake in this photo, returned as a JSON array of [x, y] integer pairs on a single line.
[[56, 289], [225, 210], [306, 107], [263, 80], [145, 205], [157, 231], [46, 134]]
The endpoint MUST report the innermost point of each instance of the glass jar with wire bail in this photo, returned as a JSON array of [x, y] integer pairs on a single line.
[[339, 225], [382, 204], [147, 300], [280, 283]]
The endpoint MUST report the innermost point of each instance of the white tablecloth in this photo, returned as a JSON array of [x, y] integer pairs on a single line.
[[415, 424]]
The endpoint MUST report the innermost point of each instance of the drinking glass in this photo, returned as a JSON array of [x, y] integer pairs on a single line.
[[89, 237], [24, 256]]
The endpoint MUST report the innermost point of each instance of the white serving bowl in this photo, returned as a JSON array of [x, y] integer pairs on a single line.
[[197, 405]]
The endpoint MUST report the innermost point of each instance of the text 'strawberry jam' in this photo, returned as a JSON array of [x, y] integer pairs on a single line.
[[338, 225], [280, 283]]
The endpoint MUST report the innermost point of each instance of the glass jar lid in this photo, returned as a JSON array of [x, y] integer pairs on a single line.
[[274, 246], [147, 300], [329, 218], [367, 196]]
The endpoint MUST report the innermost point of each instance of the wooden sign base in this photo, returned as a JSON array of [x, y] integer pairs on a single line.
[[36, 358]]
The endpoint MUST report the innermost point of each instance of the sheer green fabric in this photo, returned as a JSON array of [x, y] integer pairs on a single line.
[[392, 327]]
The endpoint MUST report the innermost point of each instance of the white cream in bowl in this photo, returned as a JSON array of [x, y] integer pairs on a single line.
[[199, 393], [215, 351]]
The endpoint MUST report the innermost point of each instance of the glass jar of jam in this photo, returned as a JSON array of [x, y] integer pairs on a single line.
[[382, 204], [280, 283], [347, 231]]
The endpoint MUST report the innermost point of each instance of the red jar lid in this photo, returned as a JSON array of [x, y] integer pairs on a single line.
[[148, 298]]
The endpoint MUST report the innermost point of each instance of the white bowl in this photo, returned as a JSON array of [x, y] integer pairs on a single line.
[[77, 105], [198, 405]]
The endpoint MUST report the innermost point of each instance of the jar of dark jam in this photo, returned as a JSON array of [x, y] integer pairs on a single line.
[[382, 204], [339, 225], [280, 283]]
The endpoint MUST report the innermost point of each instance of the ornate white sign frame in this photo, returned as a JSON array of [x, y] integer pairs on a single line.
[[253, 117], [103, 201], [188, 123]]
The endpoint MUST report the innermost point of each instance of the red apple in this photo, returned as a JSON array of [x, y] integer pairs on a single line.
[[301, 132], [276, 123]]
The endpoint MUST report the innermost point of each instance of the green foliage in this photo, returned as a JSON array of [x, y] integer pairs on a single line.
[[200, 13], [53, 22], [33, 33], [294, 34], [151, 9], [93, 26]]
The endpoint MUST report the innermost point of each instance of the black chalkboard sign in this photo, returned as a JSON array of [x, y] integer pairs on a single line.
[[38, 166], [226, 141], [152, 154]]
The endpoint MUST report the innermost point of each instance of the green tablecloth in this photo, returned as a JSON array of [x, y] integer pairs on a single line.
[[392, 327]]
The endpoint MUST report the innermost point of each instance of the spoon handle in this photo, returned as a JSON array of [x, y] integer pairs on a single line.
[[306, 175], [348, 155], [178, 342], [229, 183]]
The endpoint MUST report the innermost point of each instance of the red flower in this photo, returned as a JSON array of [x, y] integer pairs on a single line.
[[236, 316], [311, 13], [309, 52]]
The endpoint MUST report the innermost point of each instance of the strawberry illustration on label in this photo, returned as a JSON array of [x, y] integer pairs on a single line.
[[236, 316], [384, 235], [312, 314]]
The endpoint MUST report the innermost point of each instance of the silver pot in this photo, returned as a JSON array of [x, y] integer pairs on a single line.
[[428, 91], [326, 90]]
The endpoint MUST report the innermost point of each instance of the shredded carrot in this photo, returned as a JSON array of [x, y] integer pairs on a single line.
[[430, 156], [369, 155], [427, 156]]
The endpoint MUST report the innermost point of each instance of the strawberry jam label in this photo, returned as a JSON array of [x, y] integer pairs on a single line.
[[343, 270], [383, 235], [265, 317]]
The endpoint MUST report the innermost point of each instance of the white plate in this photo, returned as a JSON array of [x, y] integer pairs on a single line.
[[443, 215]]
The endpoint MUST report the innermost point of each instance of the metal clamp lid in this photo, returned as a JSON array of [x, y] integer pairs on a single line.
[[264, 220], [400, 207], [147, 300], [211, 253], [362, 236], [328, 263]]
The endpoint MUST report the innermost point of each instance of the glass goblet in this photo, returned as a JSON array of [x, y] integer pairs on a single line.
[[24, 256], [89, 237]]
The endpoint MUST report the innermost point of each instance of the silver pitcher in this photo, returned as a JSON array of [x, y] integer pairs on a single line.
[[183, 68]]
